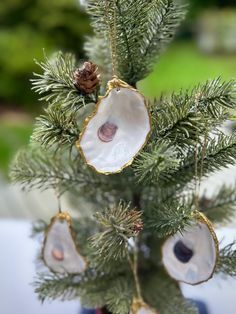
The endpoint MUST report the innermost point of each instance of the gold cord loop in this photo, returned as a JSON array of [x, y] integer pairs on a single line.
[[112, 30], [199, 171]]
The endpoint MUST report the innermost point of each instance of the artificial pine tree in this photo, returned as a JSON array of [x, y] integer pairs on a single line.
[[156, 196]]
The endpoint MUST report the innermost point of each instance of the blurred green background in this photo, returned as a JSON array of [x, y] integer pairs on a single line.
[[204, 48]]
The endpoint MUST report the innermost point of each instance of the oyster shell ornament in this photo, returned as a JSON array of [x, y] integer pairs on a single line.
[[140, 307], [117, 130], [60, 252], [191, 256]]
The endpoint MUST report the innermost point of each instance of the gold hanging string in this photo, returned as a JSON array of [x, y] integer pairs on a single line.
[[59, 204], [203, 153], [198, 176], [134, 267], [112, 30], [196, 192], [199, 170], [58, 196], [196, 180]]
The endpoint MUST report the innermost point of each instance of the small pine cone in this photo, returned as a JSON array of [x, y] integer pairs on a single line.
[[86, 78]]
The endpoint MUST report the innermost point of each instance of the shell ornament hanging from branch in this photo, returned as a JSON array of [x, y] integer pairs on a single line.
[[117, 130], [140, 307], [60, 253], [191, 256]]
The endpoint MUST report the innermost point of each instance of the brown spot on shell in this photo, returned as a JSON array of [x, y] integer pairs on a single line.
[[58, 254], [107, 132]]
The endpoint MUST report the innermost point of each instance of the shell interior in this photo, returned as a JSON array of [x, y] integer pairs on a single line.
[[191, 256], [60, 253], [117, 131]]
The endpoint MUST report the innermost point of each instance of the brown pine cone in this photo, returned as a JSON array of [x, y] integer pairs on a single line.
[[86, 78]]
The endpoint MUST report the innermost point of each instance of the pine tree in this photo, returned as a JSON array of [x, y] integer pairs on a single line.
[[157, 192]]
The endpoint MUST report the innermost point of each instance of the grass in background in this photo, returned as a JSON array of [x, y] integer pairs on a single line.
[[13, 135], [183, 66]]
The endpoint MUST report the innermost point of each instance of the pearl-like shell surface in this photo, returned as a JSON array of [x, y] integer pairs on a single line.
[[59, 252], [191, 256]]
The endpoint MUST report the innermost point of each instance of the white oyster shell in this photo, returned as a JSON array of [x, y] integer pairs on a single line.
[[60, 253], [202, 242], [124, 116]]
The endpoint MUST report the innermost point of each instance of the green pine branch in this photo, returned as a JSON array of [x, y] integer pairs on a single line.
[[158, 163], [50, 286], [120, 295], [115, 293], [94, 290], [164, 294], [35, 169], [154, 25], [227, 260], [163, 19], [177, 121], [44, 170], [183, 117], [220, 207], [93, 293], [119, 224], [56, 84], [57, 127], [214, 95], [218, 154], [168, 219]]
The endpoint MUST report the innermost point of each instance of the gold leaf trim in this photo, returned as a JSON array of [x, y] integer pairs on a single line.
[[202, 218]]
